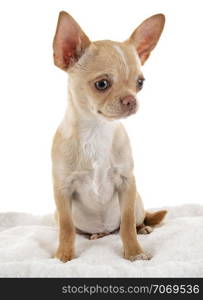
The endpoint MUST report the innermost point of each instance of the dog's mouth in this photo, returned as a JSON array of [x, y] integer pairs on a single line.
[[119, 115]]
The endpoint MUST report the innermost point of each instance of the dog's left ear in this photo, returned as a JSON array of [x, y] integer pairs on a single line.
[[146, 36], [70, 42]]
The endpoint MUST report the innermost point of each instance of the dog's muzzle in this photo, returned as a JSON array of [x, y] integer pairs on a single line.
[[128, 104]]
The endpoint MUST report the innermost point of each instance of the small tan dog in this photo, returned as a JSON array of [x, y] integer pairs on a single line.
[[94, 185]]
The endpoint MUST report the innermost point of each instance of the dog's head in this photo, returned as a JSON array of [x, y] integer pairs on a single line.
[[105, 76]]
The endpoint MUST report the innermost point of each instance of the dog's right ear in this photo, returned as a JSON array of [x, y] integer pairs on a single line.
[[69, 43], [146, 36]]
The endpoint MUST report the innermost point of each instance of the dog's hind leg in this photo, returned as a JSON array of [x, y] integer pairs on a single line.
[[145, 220], [143, 229]]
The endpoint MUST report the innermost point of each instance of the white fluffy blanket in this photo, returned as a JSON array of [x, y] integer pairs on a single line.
[[28, 242]]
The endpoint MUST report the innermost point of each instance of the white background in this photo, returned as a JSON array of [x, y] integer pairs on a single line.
[[166, 134]]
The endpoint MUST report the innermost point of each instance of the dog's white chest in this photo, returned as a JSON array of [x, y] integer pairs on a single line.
[[92, 210], [96, 140], [96, 143]]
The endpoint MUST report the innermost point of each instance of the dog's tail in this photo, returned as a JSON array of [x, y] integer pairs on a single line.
[[154, 218]]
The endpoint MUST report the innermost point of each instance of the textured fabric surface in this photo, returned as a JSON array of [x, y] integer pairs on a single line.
[[28, 243]]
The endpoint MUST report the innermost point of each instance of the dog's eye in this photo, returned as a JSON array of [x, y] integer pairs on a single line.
[[140, 83], [102, 84]]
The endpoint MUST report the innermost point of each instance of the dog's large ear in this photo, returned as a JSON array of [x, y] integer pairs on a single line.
[[146, 36], [69, 43]]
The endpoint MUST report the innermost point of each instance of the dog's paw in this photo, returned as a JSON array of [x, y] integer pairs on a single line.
[[96, 236], [140, 256], [145, 230], [64, 255]]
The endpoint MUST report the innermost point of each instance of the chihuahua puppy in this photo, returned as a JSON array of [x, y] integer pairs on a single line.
[[94, 186]]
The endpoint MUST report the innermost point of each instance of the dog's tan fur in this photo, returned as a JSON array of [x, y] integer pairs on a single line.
[[92, 159]]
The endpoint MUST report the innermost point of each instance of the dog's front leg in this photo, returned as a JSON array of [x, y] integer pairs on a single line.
[[127, 196], [66, 246]]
